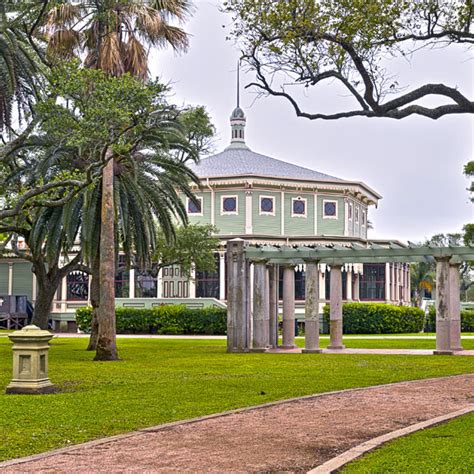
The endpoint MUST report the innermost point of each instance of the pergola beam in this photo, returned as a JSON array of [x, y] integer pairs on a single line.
[[342, 261], [360, 255]]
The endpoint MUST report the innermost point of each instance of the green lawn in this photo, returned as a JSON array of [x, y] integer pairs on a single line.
[[374, 343], [164, 380], [443, 449]]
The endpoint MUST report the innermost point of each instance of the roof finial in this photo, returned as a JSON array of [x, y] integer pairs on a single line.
[[238, 83]]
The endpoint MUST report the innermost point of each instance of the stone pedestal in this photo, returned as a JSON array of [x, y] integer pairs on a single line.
[[30, 362], [273, 303], [288, 307], [311, 325], [335, 318], [260, 308], [454, 308], [443, 338], [237, 297]]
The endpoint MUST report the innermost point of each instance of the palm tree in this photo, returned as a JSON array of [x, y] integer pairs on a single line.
[[422, 276], [20, 68], [115, 36], [146, 184]]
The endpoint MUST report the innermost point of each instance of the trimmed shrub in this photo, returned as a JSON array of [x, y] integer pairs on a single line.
[[165, 319], [378, 318], [467, 320]]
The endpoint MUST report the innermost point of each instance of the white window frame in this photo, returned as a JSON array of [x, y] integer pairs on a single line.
[[350, 212], [264, 213], [305, 215], [230, 213], [363, 221], [325, 201], [201, 200], [357, 215]]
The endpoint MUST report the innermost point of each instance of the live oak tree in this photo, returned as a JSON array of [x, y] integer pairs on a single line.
[[308, 43]]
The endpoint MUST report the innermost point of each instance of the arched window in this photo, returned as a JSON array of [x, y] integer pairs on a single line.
[[77, 286]]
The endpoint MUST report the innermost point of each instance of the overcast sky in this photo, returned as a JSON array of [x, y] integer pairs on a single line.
[[415, 164]]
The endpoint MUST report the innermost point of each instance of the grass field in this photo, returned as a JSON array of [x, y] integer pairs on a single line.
[[443, 449], [164, 380]]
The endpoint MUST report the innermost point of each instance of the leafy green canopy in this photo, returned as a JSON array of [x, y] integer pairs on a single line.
[[88, 113], [308, 43]]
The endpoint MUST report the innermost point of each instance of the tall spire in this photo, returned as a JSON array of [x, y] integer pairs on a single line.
[[238, 83], [238, 120]]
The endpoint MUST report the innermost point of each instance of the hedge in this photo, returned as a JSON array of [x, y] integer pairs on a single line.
[[165, 319], [378, 318], [467, 320]]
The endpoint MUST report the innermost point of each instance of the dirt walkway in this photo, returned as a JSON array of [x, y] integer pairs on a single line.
[[294, 436]]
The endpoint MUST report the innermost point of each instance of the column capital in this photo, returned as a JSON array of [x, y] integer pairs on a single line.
[[311, 260]]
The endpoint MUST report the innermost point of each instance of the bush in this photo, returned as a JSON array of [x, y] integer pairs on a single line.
[[165, 319], [378, 318], [467, 320]]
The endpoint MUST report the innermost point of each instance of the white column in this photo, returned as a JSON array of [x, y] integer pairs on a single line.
[[387, 283], [34, 289], [10, 279], [322, 283], [131, 283], [64, 294], [192, 283], [222, 281], [248, 212], [282, 217], [349, 283], [346, 217], [213, 207], [159, 284], [316, 214]]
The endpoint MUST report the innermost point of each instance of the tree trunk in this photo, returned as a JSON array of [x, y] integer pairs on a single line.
[[95, 300], [44, 299], [106, 341]]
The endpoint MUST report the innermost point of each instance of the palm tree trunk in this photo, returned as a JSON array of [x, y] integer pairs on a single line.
[[106, 341], [95, 302]]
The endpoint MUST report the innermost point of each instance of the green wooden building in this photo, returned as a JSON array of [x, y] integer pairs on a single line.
[[263, 200]]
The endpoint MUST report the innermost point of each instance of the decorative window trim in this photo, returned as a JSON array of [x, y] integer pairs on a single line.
[[264, 213], [350, 211], [357, 215], [363, 222], [305, 215], [336, 216], [201, 200], [230, 213]]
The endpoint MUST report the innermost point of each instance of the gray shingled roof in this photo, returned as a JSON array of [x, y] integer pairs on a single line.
[[244, 162]]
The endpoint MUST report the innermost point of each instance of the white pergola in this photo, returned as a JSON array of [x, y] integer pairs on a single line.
[[252, 314]]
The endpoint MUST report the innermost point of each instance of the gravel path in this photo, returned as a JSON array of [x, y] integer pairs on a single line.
[[293, 436]]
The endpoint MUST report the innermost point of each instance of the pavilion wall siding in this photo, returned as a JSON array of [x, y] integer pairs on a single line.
[[266, 224], [299, 225], [206, 209], [331, 226], [232, 223], [4, 278], [23, 280]]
